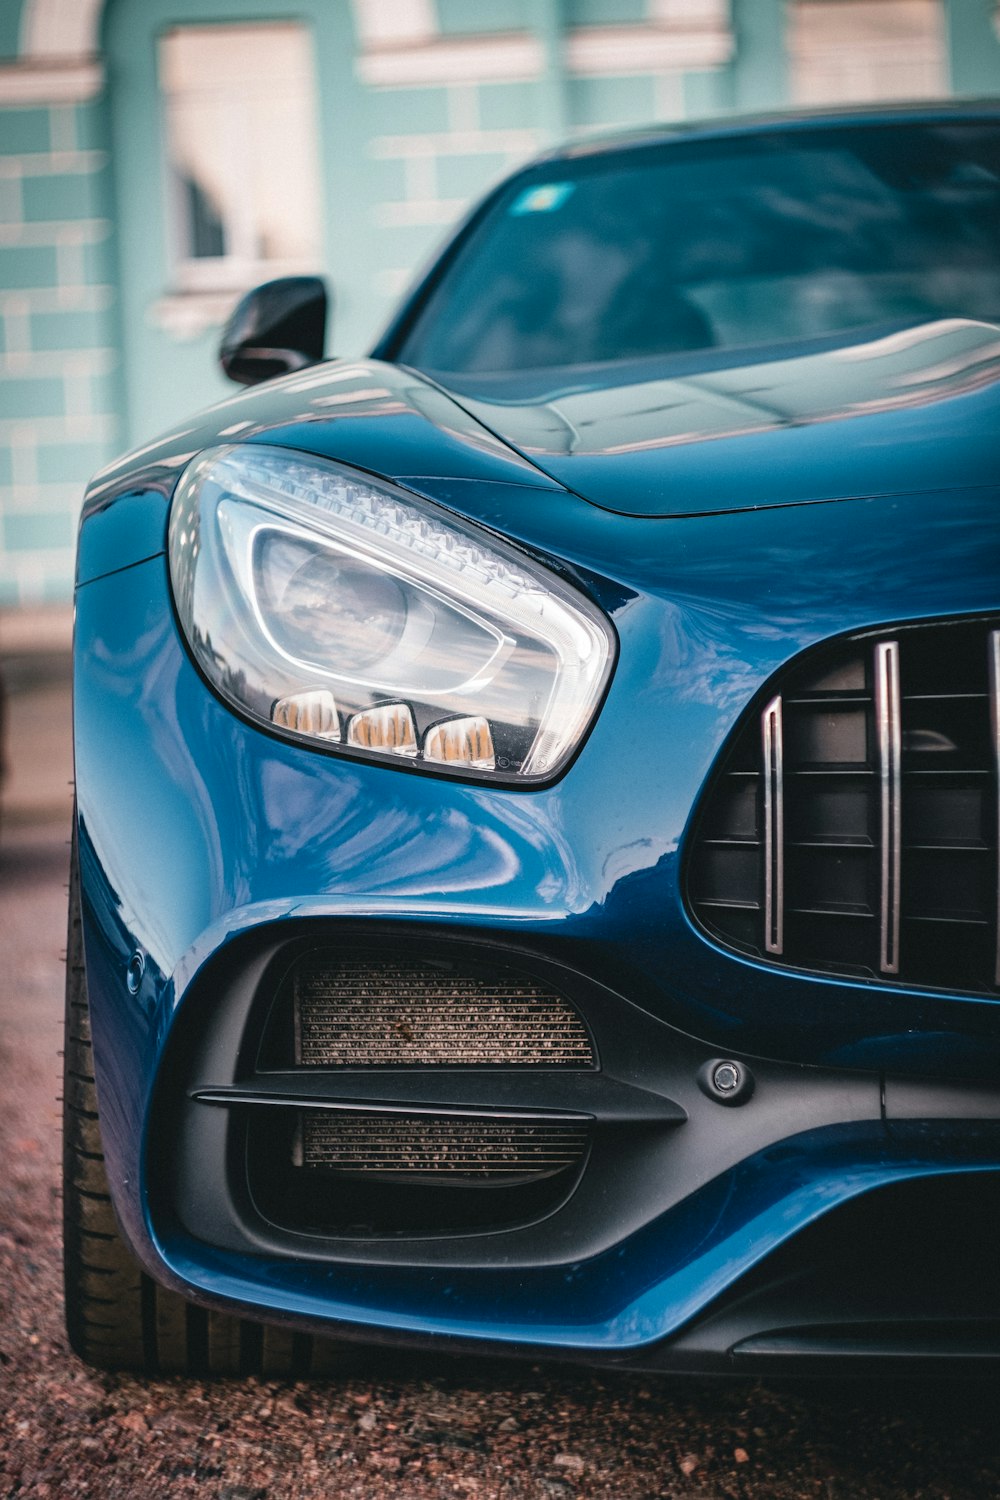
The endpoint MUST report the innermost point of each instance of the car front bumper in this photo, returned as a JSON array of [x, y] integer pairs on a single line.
[[205, 842]]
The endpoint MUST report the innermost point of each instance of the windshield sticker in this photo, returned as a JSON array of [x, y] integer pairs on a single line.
[[542, 200]]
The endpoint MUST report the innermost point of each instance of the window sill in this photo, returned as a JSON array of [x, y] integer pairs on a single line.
[[185, 316]]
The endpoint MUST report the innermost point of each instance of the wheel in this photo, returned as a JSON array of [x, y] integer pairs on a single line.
[[117, 1317]]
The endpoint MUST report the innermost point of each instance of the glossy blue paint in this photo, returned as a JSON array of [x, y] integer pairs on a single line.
[[628, 1298], [723, 530], [378, 416], [258, 820], [218, 828], [119, 535], [373, 416], [909, 414], [920, 407]]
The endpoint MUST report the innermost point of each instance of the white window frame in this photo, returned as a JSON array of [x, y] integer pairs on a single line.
[[239, 268], [883, 52]]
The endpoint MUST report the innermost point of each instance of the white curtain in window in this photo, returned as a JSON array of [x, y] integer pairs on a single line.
[[866, 50], [242, 152]]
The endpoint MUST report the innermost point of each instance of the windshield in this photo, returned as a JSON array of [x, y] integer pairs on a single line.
[[694, 245]]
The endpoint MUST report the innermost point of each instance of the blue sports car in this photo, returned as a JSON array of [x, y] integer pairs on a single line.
[[535, 874]]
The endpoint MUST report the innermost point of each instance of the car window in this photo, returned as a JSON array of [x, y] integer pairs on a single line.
[[721, 244]]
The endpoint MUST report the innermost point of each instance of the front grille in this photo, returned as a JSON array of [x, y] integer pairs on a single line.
[[438, 1150], [364, 1009], [854, 826]]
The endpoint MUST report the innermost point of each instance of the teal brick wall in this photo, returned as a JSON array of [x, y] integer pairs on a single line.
[[507, 106], [59, 362], [63, 463], [612, 101], [760, 66], [604, 12], [10, 200], [10, 29], [69, 194], [973, 47], [25, 266], [705, 94], [407, 111], [97, 348], [61, 328], [31, 532], [466, 175], [459, 17], [28, 129]]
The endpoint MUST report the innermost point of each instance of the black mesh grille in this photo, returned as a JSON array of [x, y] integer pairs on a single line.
[[407, 1146], [360, 1173], [363, 1009], [854, 826]]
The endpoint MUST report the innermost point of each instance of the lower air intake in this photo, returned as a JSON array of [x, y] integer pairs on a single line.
[[437, 1150], [355, 1174], [365, 1009]]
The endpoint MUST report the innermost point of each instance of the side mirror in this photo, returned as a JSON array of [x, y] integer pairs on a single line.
[[276, 328]]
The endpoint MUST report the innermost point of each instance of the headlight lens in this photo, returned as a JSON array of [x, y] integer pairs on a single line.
[[341, 610]]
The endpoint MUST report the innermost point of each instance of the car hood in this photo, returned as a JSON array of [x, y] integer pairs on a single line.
[[911, 410]]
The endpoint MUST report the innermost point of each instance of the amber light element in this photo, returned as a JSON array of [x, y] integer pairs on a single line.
[[313, 713], [389, 727], [466, 742]]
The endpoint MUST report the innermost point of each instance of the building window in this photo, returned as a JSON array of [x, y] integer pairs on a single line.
[[861, 50], [240, 117]]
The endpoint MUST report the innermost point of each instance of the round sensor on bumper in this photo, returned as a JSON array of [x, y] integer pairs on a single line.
[[726, 1081]]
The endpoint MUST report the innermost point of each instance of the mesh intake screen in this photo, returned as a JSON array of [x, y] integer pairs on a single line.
[[417, 1146], [364, 1010]]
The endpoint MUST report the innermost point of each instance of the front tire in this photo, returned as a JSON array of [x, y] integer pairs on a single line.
[[117, 1317]]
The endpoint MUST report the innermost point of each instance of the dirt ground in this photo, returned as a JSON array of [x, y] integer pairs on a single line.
[[415, 1428]]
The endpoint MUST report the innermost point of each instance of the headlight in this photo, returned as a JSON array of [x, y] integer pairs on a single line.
[[342, 611]]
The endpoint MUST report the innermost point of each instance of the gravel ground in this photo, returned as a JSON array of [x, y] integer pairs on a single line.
[[410, 1428]]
